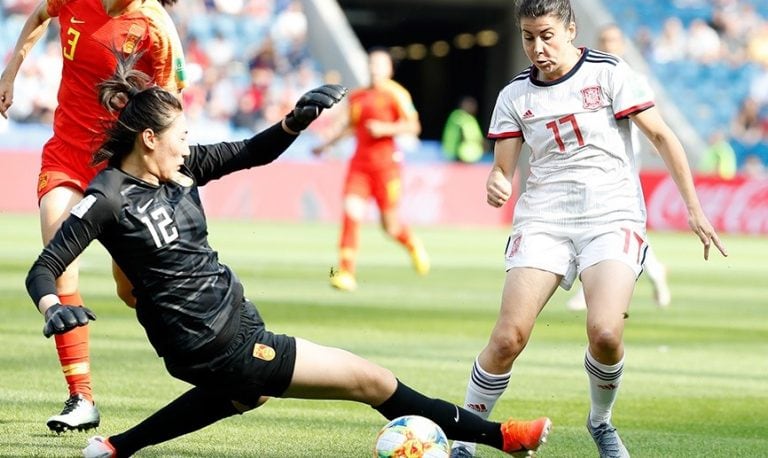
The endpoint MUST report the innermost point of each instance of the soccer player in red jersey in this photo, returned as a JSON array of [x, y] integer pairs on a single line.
[[377, 114], [90, 30]]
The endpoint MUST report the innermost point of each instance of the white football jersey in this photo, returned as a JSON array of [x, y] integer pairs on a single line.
[[582, 164]]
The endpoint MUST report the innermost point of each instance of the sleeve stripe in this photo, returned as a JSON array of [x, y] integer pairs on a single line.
[[633, 110], [512, 134]]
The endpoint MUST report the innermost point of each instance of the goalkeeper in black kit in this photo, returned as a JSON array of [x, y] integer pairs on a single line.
[[145, 209]]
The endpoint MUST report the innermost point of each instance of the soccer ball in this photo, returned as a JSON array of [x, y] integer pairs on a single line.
[[411, 436]]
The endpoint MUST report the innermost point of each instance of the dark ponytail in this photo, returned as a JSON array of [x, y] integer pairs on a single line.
[[139, 105]]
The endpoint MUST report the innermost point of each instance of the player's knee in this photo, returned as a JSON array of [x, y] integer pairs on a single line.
[[390, 223], [376, 385], [606, 340], [354, 207], [505, 347], [391, 229]]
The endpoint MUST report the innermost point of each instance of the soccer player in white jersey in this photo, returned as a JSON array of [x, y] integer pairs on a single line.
[[582, 213], [610, 39]]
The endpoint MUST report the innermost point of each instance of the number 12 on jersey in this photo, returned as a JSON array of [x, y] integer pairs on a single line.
[[160, 226]]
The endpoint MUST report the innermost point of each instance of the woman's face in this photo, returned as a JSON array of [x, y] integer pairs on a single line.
[[380, 66], [169, 149], [547, 43]]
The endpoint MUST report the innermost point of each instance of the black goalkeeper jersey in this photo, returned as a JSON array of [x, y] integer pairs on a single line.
[[187, 301]]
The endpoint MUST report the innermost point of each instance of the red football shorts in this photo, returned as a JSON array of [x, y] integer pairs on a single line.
[[63, 165], [382, 183]]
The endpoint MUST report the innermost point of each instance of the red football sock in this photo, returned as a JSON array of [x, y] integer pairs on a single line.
[[405, 238], [72, 347], [348, 244]]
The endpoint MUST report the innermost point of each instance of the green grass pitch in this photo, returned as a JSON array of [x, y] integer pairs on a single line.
[[696, 375]]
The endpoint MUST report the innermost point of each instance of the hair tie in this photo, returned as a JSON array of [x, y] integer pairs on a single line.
[[132, 91]]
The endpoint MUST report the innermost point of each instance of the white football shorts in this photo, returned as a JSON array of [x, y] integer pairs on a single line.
[[568, 251]]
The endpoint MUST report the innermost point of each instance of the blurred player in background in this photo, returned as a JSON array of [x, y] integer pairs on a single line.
[[145, 209], [610, 39], [582, 213], [463, 139], [377, 114], [90, 29]]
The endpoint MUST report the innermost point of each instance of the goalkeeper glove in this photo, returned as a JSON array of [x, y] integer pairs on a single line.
[[310, 105], [61, 318]]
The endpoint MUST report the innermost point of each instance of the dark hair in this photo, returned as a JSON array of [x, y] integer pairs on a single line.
[[560, 9], [168, 2], [379, 48], [139, 105]]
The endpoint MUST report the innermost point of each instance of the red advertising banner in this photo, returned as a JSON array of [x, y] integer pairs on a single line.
[[738, 206], [452, 194]]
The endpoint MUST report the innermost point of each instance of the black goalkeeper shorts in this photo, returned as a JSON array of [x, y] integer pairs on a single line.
[[256, 363]]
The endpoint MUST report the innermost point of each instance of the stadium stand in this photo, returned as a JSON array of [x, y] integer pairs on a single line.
[[712, 58], [245, 59]]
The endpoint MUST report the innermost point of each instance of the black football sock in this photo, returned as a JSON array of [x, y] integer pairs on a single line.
[[193, 410], [457, 423]]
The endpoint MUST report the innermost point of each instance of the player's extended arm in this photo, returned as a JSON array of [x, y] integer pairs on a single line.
[[405, 126], [210, 162], [33, 29], [671, 150], [506, 153], [347, 130]]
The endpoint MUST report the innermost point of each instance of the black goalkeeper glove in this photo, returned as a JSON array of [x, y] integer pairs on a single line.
[[62, 318], [311, 104]]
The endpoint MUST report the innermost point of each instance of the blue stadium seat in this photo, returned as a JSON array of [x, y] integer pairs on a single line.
[[708, 95]]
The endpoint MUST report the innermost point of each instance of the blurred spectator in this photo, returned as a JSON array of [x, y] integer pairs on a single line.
[[289, 29], [644, 41], [758, 87], [753, 167], [757, 46], [219, 50], [672, 44], [290, 25], [747, 127], [264, 57], [463, 140], [719, 158], [232, 7], [251, 106], [194, 52], [703, 43]]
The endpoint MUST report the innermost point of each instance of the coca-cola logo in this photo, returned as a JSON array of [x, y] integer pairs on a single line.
[[737, 206], [748, 211]]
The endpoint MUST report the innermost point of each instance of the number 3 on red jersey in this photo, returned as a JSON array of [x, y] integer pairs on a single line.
[[68, 50]]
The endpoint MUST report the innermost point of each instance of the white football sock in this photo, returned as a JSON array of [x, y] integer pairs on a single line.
[[604, 384], [483, 390]]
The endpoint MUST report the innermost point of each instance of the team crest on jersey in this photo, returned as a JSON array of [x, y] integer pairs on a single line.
[[132, 39], [263, 352], [42, 181], [592, 97]]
